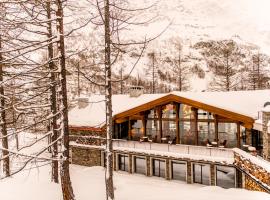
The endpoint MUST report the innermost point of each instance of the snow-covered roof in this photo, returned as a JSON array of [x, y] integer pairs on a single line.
[[247, 103]]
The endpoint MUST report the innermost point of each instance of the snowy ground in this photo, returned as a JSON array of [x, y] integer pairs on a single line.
[[89, 184]]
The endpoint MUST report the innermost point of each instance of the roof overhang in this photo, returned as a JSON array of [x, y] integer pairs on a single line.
[[245, 120]]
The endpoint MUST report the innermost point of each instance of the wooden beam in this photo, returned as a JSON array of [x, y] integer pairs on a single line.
[[144, 124], [129, 129], [177, 124], [159, 110], [216, 127], [238, 136], [195, 115]]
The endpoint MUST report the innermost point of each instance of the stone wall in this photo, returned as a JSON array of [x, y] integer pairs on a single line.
[[86, 156], [253, 170], [250, 184]]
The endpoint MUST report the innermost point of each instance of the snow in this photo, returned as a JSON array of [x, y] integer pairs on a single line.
[[88, 183], [247, 103]]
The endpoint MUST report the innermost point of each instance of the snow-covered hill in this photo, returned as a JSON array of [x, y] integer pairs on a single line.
[[244, 21]]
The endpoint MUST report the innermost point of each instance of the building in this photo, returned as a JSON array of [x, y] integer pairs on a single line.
[[211, 138]]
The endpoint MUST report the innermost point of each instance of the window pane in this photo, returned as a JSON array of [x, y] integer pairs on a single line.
[[152, 129], [187, 132], [185, 112], [225, 176], [169, 130], [169, 111], [159, 168], [204, 114], [123, 163], [140, 165], [137, 130], [227, 134], [201, 174], [179, 171], [206, 131]]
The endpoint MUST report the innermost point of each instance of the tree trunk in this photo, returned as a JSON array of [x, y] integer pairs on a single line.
[[53, 101], [108, 99], [6, 163], [67, 189]]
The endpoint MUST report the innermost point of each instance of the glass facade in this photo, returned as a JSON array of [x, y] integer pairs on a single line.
[[189, 123], [179, 171], [225, 176]]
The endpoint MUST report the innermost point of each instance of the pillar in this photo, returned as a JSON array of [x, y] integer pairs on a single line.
[[216, 127], [168, 171], [189, 172], [266, 137], [159, 123], [148, 166], [248, 136], [213, 175], [238, 136], [130, 163], [177, 124]]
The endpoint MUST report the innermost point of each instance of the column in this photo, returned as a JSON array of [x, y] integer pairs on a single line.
[[144, 124], [159, 123], [129, 129], [216, 127], [167, 173], [177, 124], [148, 166], [248, 136], [238, 136], [189, 172], [212, 174], [130, 163], [266, 137], [194, 125]]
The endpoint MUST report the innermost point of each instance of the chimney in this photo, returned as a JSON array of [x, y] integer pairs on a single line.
[[82, 102], [135, 91]]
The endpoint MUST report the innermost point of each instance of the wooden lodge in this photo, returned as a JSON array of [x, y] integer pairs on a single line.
[[178, 135]]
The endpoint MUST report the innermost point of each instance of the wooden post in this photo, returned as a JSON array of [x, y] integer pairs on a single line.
[[195, 114], [144, 124], [129, 129], [160, 123], [177, 124], [238, 135], [216, 127]]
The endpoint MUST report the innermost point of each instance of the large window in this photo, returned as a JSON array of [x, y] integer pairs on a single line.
[[225, 176], [187, 132], [169, 130], [159, 168], [140, 165], [204, 115], [227, 134], [123, 162], [137, 130], [206, 131], [179, 170], [185, 112], [152, 129], [201, 173], [169, 111]]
